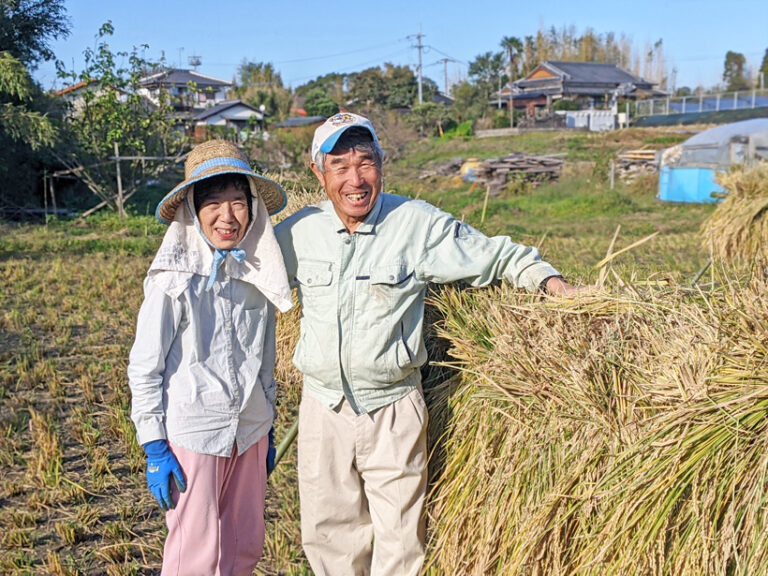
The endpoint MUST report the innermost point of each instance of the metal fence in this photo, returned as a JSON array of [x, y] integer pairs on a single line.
[[703, 103]]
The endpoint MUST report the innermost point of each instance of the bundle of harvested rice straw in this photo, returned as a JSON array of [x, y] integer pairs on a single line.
[[622, 433]]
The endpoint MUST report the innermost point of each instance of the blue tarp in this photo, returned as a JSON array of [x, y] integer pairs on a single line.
[[688, 185]]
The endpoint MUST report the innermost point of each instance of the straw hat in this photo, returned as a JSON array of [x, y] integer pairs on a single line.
[[211, 159]]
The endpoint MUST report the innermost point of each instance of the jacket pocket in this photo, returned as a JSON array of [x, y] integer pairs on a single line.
[[317, 290], [314, 274], [392, 275]]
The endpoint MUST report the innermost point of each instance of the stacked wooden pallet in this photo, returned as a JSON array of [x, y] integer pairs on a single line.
[[631, 163], [495, 172]]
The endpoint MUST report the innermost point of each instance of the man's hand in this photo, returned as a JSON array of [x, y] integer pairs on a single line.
[[161, 467], [557, 286]]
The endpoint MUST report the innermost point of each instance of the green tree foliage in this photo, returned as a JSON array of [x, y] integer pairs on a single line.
[[733, 72], [467, 103], [367, 88], [513, 47], [113, 110], [28, 26], [388, 87], [286, 148], [764, 68], [318, 103], [402, 84], [428, 118], [260, 84], [567, 44], [332, 85], [26, 30], [487, 71], [16, 119]]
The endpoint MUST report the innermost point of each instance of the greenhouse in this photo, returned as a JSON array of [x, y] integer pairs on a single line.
[[687, 171]]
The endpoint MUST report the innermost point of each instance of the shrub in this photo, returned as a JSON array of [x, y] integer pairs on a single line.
[[463, 131]]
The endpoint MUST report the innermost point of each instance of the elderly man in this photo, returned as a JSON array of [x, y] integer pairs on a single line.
[[362, 262]]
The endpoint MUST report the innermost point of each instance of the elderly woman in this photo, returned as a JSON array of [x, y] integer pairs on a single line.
[[201, 367]]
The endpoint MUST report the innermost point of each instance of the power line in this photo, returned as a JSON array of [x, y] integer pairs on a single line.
[[347, 68], [335, 55]]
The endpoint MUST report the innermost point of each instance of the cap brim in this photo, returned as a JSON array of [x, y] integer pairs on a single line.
[[330, 142]]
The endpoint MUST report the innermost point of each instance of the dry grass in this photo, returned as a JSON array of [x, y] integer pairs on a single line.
[[738, 229], [553, 424], [623, 433]]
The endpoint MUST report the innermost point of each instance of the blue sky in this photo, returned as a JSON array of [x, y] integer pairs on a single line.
[[304, 39]]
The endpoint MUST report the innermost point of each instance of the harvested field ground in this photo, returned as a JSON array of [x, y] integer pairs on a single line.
[[72, 493]]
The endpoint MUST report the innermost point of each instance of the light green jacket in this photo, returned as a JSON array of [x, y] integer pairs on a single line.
[[362, 294]]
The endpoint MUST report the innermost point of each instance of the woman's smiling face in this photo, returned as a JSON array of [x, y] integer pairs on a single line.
[[223, 217]]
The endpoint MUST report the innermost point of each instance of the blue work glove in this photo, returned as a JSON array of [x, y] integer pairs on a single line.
[[161, 466], [271, 451]]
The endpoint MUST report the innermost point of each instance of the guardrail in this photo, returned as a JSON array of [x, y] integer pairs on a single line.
[[703, 103]]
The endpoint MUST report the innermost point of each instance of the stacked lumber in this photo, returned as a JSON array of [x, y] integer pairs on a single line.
[[495, 172], [632, 163]]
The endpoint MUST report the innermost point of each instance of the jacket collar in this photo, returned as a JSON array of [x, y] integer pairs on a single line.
[[367, 226]]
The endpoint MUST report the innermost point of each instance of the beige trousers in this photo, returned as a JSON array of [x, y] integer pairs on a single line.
[[362, 479]]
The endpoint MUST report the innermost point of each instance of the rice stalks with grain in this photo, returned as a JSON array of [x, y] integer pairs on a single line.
[[620, 433]]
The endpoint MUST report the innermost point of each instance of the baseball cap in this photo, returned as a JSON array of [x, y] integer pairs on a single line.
[[328, 133]]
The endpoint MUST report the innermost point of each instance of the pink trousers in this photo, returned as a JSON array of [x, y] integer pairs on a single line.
[[217, 526]]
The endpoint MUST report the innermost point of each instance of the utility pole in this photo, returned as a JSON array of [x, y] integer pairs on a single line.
[[673, 83], [444, 62], [419, 46]]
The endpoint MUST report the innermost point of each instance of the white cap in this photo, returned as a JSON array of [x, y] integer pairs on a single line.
[[328, 133]]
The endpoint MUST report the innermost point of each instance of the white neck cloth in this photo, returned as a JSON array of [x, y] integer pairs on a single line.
[[185, 251]]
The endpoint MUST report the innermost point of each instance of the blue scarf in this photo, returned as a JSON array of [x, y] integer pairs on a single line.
[[218, 257]]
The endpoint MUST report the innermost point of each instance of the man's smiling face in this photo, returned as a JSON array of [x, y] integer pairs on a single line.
[[352, 180]]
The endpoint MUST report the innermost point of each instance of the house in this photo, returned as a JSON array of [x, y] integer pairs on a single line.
[[75, 96], [590, 84], [189, 91], [295, 122], [442, 99], [233, 115]]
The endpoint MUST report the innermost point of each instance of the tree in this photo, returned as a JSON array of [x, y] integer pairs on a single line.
[[368, 88], [26, 29], [530, 55], [467, 102], [317, 103], [28, 26], [113, 112], [333, 85], [25, 133], [260, 84], [388, 88], [16, 119], [486, 70], [402, 86], [733, 73], [764, 70], [428, 118], [513, 47]]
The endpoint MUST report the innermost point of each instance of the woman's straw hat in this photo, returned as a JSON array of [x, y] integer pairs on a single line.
[[211, 159]]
